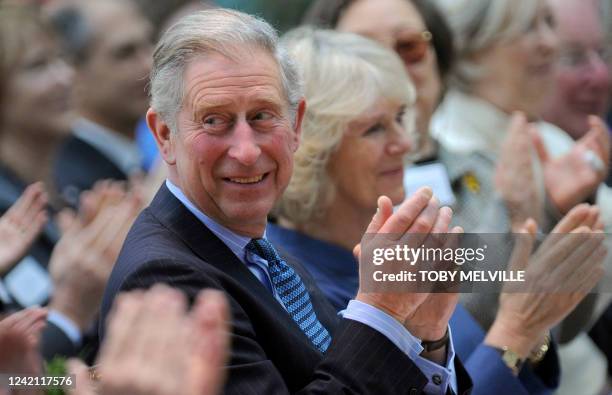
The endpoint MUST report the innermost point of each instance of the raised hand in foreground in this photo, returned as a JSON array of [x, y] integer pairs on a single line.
[[153, 346]]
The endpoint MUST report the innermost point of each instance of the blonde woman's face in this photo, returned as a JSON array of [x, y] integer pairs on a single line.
[[394, 23], [369, 161], [518, 74], [38, 93]]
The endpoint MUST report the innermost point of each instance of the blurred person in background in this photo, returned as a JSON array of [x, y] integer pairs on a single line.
[[477, 204], [582, 75], [582, 80], [506, 57], [324, 209], [35, 115], [109, 43], [503, 68], [35, 93], [398, 26]]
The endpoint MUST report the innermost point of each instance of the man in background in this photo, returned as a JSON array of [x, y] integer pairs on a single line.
[[109, 42]]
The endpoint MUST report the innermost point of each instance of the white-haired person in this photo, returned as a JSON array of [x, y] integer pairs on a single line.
[[506, 55], [356, 135], [505, 58]]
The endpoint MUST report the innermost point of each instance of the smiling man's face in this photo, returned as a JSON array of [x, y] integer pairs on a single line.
[[232, 155]]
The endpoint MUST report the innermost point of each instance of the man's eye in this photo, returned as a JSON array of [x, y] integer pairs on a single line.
[[214, 124], [262, 116], [212, 121]]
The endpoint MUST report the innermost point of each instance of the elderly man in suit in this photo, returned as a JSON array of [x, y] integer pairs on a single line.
[[226, 112]]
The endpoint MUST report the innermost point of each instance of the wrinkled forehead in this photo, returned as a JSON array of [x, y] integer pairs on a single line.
[[246, 76]]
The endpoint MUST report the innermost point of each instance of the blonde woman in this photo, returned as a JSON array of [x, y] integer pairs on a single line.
[[355, 137]]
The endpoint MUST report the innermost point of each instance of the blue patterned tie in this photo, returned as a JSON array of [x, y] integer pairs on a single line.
[[292, 293]]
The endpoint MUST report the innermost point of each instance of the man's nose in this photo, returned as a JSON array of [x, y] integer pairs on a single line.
[[244, 147]]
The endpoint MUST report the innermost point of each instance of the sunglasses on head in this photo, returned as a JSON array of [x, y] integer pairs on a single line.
[[412, 47]]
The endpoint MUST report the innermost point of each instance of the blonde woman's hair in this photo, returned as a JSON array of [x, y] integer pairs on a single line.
[[343, 75]]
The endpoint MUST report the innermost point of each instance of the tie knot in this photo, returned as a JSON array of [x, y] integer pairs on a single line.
[[264, 249]]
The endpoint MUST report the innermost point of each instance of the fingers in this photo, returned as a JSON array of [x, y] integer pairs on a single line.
[[573, 219], [538, 145], [439, 231], [523, 247], [598, 139], [407, 213], [150, 337], [83, 384], [579, 260], [211, 317], [597, 123], [593, 218], [28, 212], [33, 197], [445, 216], [425, 221], [65, 219], [556, 250], [123, 318], [105, 193], [383, 212], [111, 236]]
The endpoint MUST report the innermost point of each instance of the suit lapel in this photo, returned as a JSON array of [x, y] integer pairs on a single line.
[[208, 247]]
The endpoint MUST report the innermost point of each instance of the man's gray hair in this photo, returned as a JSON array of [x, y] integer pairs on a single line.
[[213, 31]]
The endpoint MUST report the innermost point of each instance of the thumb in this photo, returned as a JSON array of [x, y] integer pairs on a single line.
[[539, 146], [523, 246]]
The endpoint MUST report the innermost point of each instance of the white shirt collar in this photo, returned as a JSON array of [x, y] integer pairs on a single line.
[[117, 148]]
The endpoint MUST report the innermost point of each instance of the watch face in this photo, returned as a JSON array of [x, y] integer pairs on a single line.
[[512, 360], [510, 357]]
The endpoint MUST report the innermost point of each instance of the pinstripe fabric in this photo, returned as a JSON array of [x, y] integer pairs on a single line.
[[269, 353], [293, 294]]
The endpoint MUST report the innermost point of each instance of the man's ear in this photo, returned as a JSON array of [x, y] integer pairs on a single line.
[[297, 124], [163, 136]]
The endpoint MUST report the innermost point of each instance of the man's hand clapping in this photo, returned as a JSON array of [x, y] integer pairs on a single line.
[[424, 314]]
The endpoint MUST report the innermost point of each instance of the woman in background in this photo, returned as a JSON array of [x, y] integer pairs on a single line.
[[351, 153], [487, 194]]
